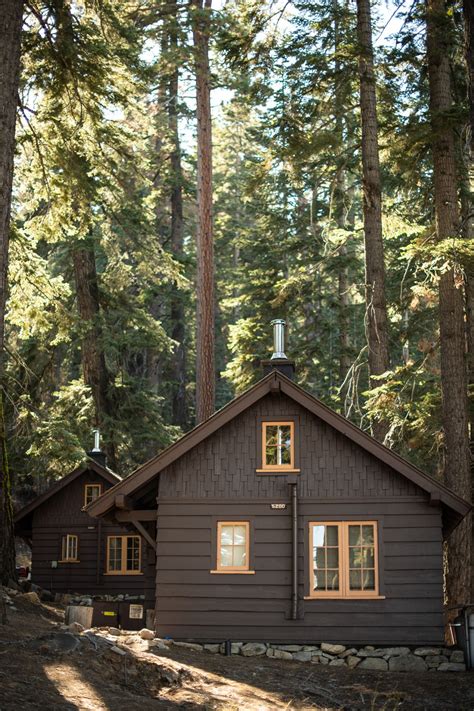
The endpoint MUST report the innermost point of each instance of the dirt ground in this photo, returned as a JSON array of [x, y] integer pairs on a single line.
[[33, 675]]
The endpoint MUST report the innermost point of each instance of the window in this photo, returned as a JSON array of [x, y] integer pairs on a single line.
[[343, 559], [233, 547], [124, 555], [91, 493], [69, 545], [278, 446]]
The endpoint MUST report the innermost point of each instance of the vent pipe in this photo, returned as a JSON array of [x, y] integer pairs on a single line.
[[96, 453], [96, 447], [278, 338]]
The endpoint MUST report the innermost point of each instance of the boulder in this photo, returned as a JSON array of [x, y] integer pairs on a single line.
[[375, 663], [213, 648], [371, 653], [395, 651], [348, 653], [114, 631], [76, 628], [157, 644], [352, 661], [337, 663], [457, 657], [235, 647], [270, 652], [309, 649], [281, 654], [426, 652], [450, 666], [254, 649], [30, 597], [321, 659], [407, 663], [333, 648], [146, 634], [302, 656], [289, 647], [434, 662], [187, 645]]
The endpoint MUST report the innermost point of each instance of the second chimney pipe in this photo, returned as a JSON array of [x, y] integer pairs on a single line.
[[278, 338]]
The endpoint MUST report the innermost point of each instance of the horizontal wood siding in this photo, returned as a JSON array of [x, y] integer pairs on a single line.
[[192, 603]]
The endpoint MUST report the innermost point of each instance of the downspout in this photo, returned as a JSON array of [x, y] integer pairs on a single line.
[[294, 552]]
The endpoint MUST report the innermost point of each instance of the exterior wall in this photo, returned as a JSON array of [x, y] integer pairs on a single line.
[[61, 514], [338, 481]]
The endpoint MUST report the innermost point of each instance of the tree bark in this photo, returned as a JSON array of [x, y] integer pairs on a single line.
[[376, 308], [94, 367], [451, 297], [205, 356], [178, 333], [11, 12]]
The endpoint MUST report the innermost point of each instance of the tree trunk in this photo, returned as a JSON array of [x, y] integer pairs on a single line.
[[178, 333], [94, 367], [11, 12], [205, 357], [376, 308], [451, 297]]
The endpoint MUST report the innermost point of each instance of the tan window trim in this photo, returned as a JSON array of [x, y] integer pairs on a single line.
[[123, 570], [67, 541], [226, 569], [278, 467], [344, 592], [91, 486], [277, 470]]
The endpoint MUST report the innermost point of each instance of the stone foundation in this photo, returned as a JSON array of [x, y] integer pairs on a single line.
[[398, 659]]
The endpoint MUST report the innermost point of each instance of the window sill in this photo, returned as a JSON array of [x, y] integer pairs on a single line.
[[278, 471], [342, 597], [232, 572], [69, 561], [137, 572]]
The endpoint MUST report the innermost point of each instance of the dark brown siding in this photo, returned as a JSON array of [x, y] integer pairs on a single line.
[[60, 515], [217, 481]]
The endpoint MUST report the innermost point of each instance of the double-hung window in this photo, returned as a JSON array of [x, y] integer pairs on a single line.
[[69, 548], [233, 547], [343, 559], [91, 493], [278, 446]]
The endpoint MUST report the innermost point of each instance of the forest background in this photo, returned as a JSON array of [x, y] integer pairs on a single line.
[[105, 277]]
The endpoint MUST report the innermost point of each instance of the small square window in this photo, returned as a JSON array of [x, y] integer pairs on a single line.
[[278, 446], [233, 546], [91, 493]]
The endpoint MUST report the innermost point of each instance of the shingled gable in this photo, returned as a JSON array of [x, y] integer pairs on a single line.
[[456, 507], [88, 465]]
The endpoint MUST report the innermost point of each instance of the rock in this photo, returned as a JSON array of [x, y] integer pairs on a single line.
[[157, 644], [395, 651], [434, 662], [337, 663], [213, 648], [289, 647], [188, 645], [118, 650], [46, 595], [426, 652], [309, 649], [302, 656], [315, 660], [59, 643], [254, 649], [281, 654], [321, 660], [348, 653], [75, 628], [146, 634], [352, 661], [115, 632], [407, 663], [30, 597], [235, 647], [270, 652], [457, 657], [450, 666], [375, 663], [369, 647], [371, 653], [333, 648]]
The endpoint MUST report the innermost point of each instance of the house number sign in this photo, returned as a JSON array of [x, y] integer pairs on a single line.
[[278, 506]]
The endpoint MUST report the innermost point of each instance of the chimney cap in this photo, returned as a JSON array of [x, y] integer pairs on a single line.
[[278, 338]]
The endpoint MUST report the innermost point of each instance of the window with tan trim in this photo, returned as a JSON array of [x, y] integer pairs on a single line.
[[343, 559], [278, 446], [233, 542], [69, 548], [91, 493], [124, 554]]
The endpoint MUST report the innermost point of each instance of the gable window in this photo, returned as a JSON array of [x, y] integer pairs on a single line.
[[278, 445], [123, 555], [91, 493], [233, 547], [69, 548], [343, 559]]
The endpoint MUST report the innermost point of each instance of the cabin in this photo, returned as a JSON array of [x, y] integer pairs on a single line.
[[72, 553], [278, 520]]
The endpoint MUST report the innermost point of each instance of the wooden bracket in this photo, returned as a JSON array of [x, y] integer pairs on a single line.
[[123, 502], [143, 532]]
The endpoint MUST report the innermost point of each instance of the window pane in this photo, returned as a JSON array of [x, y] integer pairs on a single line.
[[333, 580], [227, 535], [332, 555], [355, 580], [226, 555], [240, 535], [320, 558], [285, 436], [271, 455], [331, 536], [115, 553], [354, 536], [368, 535], [355, 557], [133, 553], [240, 555], [271, 435], [318, 535], [369, 580], [320, 580], [368, 557], [286, 455]]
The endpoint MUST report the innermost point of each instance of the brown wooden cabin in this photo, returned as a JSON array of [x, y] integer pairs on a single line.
[[278, 520], [72, 553]]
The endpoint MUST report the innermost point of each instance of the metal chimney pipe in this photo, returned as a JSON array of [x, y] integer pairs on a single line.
[[278, 338], [96, 441]]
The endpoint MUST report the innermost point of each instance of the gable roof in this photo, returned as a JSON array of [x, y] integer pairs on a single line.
[[89, 465], [273, 382]]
